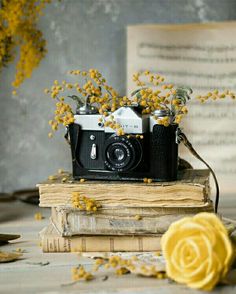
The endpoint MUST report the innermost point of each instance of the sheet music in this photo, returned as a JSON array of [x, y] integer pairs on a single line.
[[203, 57]]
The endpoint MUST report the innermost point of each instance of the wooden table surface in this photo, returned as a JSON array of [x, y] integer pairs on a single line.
[[27, 276]]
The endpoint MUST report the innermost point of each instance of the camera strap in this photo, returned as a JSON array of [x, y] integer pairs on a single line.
[[182, 138], [67, 136]]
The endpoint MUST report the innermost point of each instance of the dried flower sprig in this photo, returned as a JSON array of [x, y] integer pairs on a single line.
[[93, 89], [160, 96], [84, 203], [38, 216], [18, 28], [216, 95], [79, 273], [123, 266]]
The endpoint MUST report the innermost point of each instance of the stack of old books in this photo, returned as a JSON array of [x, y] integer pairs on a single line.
[[88, 216]]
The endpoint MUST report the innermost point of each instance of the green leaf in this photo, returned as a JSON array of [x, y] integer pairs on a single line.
[[135, 92], [138, 95], [80, 101], [183, 94]]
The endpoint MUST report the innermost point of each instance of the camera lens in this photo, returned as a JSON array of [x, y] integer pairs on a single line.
[[121, 153], [118, 154]]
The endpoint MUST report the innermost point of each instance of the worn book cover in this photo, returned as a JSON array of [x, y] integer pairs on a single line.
[[71, 222], [191, 189], [51, 241]]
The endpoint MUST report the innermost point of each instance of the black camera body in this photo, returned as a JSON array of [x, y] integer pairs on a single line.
[[147, 150]]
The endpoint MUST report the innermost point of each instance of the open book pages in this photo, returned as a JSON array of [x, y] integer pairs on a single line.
[[71, 222], [191, 189], [51, 241], [202, 57]]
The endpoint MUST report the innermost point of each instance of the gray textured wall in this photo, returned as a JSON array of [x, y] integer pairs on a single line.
[[80, 34]]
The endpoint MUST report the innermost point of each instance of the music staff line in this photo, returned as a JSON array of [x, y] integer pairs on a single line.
[[219, 49], [211, 115], [197, 87], [214, 141], [188, 59], [188, 74]]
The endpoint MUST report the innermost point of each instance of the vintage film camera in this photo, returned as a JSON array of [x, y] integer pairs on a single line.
[[147, 150]]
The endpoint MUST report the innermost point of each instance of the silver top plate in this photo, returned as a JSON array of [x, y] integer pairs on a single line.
[[131, 121]]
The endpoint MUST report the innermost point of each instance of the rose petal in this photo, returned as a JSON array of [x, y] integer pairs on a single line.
[[212, 219]]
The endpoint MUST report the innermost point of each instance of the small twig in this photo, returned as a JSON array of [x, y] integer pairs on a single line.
[[105, 278], [69, 284], [39, 263]]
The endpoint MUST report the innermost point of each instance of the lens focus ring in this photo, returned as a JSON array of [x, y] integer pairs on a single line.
[[121, 153]]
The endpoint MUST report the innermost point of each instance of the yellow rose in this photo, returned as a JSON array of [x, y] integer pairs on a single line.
[[198, 251]]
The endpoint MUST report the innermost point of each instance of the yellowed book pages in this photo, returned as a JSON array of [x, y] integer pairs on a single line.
[[51, 241], [71, 222], [192, 189], [122, 211]]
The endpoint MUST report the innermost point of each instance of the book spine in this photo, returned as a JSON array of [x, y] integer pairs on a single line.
[[100, 244], [71, 223], [121, 211]]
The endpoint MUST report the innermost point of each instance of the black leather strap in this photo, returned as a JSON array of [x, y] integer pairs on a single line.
[[182, 138], [67, 135]]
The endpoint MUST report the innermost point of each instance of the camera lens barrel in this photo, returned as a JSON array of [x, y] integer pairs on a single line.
[[122, 153]]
